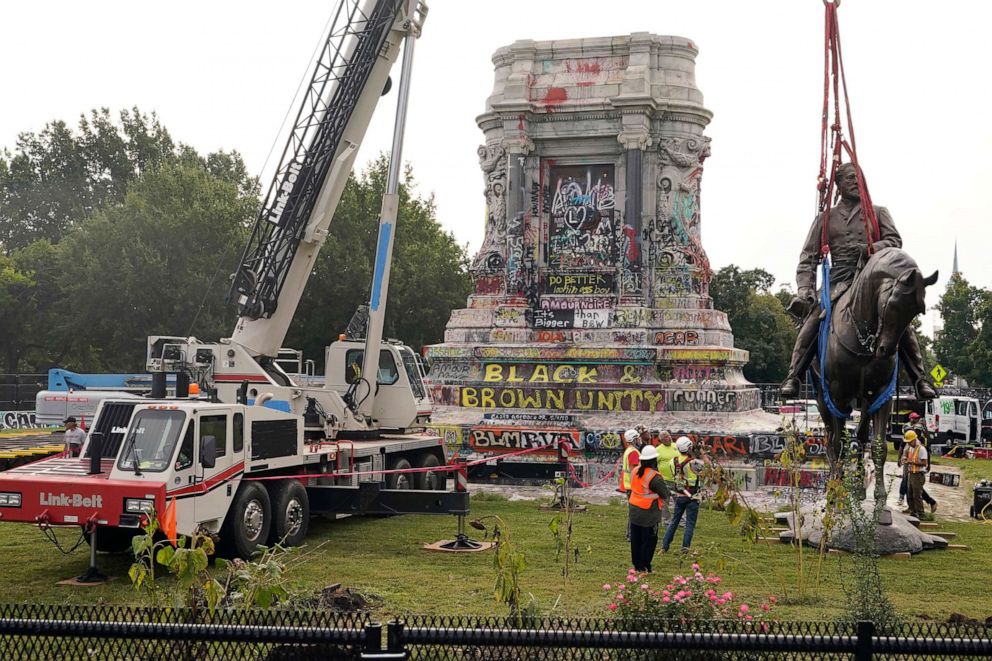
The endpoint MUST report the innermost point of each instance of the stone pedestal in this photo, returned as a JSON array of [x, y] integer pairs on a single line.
[[591, 311]]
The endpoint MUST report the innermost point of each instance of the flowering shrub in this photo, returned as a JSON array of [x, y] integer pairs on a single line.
[[685, 598]]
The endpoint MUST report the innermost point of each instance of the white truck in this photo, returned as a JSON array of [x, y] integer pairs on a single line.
[[954, 420], [254, 452]]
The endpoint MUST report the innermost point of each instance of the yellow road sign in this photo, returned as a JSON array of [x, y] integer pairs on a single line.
[[938, 373]]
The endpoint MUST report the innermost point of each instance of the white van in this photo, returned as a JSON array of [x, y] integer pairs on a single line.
[[953, 420]]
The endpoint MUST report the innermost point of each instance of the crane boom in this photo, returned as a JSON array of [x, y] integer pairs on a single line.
[[349, 76]]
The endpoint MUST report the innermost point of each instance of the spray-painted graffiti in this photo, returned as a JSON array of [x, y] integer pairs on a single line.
[[556, 399], [497, 373], [559, 419], [489, 285], [612, 354], [548, 303], [18, 420], [770, 446], [781, 477], [580, 284], [505, 439], [582, 229], [507, 316], [675, 338]]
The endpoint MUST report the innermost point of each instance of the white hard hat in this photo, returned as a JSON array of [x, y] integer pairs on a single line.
[[631, 435], [683, 444], [649, 453]]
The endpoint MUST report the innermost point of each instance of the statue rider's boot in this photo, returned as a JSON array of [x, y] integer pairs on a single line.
[[912, 361], [802, 354]]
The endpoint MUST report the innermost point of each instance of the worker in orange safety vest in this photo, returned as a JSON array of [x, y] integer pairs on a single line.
[[648, 492]]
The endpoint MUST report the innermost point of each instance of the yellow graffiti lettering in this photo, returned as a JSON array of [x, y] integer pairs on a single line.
[[608, 400], [587, 405], [540, 374], [507, 398], [494, 372], [470, 397], [630, 375], [635, 399], [586, 375], [486, 398], [654, 398], [561, 374], [555, 399], [512, 377], [530, 401]]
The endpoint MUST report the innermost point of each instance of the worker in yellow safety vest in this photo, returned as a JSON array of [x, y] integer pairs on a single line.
[[685, 473], [647, 493], [666, 452], [915, 460], [632, 446]]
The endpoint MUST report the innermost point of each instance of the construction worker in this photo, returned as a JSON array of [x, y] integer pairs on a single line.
[[916, 457], [917, 427], [74, 437], [666, 452], [628, 462], [685, 473], [647, 492]]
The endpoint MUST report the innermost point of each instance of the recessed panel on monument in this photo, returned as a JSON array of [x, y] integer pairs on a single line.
[[591, 311]]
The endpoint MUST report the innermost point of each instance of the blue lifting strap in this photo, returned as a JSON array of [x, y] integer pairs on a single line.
[[824, 333]]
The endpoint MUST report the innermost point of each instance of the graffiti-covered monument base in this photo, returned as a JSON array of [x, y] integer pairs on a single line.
[[591, 311]]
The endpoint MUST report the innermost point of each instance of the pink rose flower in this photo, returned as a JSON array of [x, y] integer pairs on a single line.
[[745, 608], [765, 607], [665, 599], [606, 586], [695, 566], [613, 607], [644, 586]]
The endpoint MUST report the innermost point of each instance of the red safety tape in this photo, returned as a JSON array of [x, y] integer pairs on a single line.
[[587, 485], [447, 468]]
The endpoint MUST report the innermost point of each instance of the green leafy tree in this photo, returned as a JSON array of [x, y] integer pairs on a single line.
[[157, 263], [954, 343], [55, 178], [429, 273], [758, 318]]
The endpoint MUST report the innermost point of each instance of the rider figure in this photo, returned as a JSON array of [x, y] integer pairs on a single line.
[[848, 240]]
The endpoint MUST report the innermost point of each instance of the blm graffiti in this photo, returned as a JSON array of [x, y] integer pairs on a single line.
[[582, 226]]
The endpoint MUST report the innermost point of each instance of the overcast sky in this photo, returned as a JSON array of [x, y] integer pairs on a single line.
[[222, 74]]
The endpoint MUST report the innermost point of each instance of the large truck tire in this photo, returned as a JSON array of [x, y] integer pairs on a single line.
[[248, 522], [290, 513], [399, 480], [432, 481]]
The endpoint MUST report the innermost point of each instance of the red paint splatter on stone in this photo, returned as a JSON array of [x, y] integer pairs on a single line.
[[555, 96], [585, 83], [589, 67]]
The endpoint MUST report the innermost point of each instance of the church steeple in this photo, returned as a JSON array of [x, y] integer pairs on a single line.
[[954, 269]]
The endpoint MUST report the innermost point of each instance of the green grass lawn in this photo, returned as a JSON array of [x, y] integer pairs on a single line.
[[384, 557]]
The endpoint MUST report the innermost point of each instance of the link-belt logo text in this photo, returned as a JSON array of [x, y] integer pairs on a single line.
[[284, 190], [70, 500]]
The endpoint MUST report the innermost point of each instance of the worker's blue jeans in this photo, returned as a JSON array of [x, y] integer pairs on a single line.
[[689, 507]]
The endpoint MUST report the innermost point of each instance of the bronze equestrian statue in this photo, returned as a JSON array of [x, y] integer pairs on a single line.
[[848, 240], [866, 313]]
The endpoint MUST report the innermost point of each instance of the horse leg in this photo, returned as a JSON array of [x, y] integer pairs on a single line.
[[879, 451]]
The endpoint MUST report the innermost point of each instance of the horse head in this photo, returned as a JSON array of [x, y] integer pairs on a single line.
[[901, 291]]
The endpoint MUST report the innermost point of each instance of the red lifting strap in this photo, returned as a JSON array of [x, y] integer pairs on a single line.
[[832, 134]]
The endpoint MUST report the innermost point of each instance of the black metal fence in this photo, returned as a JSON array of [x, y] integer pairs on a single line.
[[17, 391], [86, 632]]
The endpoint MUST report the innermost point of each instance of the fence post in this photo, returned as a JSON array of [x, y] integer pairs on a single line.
[[373, 639], [866, 639], [394, 640]]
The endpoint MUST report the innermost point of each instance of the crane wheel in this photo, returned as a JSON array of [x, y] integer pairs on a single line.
[[433, 481], [290, 513], [248, 522], [400, 480]]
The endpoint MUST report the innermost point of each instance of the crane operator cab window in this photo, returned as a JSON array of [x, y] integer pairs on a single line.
[[185, 457], [216, 426], [388, 374]]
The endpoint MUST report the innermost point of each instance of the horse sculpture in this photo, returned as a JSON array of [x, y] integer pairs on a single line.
[[859, 353]]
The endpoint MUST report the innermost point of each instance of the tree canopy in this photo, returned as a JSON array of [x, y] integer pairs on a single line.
[[429, 273], [758, 318], [111, 232], [964, 344]]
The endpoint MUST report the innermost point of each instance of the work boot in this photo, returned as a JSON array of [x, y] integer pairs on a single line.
[[933, 507]]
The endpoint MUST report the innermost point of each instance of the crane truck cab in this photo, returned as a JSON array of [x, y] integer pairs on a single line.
[[401, 400]]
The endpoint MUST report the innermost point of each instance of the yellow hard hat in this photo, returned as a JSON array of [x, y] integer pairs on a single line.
[[909, 436]]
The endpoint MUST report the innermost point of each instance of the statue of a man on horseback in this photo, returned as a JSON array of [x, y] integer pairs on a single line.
[[847, 236]]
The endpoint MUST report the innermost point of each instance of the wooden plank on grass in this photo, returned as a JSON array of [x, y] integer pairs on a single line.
[[959, 547]]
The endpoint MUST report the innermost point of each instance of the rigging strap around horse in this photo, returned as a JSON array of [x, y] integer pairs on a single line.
[[822, 337]]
